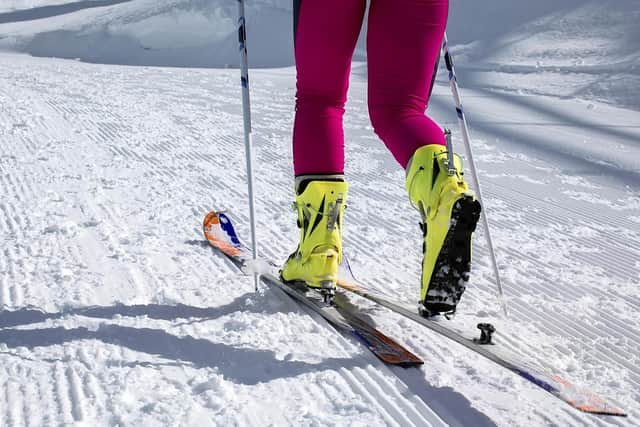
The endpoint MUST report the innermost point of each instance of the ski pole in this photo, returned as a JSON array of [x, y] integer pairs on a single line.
[[246, 111], [453, 83]]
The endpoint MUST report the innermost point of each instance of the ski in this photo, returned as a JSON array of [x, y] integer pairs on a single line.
[[220, 233], [579, 398]]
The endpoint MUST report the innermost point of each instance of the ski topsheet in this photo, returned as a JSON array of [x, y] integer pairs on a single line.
[[580, 398], [220, 233]]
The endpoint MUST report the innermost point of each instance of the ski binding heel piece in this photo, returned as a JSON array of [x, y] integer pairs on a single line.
[[486, 333]]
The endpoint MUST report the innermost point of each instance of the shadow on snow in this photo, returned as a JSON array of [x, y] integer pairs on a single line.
[[238, 364]]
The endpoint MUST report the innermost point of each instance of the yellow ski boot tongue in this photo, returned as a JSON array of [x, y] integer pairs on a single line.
[[449, 212], [320, 209]]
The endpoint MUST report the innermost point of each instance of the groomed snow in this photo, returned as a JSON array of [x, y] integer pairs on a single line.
[[116, 312], [574, 48]]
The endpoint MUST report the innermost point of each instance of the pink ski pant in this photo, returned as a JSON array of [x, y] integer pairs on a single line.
[[403, 44]]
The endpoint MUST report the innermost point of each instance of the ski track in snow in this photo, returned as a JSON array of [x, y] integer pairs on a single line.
[[117, 312]]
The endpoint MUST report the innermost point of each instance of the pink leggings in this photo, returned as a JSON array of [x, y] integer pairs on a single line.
[[403, 44]]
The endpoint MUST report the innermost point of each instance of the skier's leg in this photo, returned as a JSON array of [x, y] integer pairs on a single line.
[[403, 46], [326, 32]]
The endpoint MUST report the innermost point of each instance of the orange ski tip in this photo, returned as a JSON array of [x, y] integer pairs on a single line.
[[210, 219], [225, 247], [404, 358], [562, 381], [602, 410], [393, 359], [596, 405]]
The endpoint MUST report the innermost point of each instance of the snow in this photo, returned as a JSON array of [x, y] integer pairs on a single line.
[[579, 48], [178, 33], [115, 311]]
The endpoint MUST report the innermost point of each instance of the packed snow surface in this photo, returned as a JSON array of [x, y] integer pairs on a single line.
[[574, 48], [116, 312]]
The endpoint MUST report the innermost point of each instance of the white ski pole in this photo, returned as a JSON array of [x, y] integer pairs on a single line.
[[246, 111], [453, 83]]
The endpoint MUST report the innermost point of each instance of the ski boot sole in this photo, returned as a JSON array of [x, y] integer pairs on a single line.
[[326, 290], [451, 271]]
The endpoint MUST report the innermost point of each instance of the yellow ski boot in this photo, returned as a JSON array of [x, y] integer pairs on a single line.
[[449, 213], [320, 205]]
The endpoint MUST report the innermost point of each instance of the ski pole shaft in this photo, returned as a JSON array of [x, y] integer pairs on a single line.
[[246, 111], [453, 83]]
